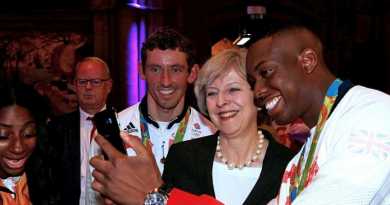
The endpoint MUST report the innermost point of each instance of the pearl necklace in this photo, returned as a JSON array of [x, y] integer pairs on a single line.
[[232, 165]]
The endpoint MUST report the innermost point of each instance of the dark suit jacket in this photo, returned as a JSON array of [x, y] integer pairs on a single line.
[[65, 130], [189, 167]]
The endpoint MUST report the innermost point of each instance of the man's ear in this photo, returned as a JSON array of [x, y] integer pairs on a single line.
[[110, 83], [309, 60], [193, 73], [141, 72]]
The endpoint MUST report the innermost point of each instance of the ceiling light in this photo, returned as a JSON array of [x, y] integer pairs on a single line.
[[255, 13], [242, 39]]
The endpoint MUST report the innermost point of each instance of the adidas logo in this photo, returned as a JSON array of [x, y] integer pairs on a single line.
[[130, 128]]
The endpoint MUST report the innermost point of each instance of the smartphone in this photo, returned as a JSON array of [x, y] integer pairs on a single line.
[[107, 125]]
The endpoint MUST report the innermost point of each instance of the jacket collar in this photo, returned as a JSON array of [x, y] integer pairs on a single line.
[[343, 89]]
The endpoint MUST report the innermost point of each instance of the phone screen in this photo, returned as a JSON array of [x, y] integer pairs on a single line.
[[107, 125]]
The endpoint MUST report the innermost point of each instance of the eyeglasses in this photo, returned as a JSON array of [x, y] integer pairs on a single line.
[[94, 82]]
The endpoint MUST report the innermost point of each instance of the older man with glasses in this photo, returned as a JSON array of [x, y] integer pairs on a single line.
[[73, 132]]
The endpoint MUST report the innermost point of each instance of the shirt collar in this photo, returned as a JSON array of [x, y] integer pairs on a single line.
[[144, 110], [84, 115]]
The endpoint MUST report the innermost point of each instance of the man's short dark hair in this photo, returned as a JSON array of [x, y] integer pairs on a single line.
[[167, 38], [280, 27]]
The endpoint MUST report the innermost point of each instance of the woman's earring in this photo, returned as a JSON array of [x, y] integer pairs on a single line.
[[258, 109]]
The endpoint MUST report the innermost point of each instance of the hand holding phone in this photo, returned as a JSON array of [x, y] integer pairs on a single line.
[[107, 125]]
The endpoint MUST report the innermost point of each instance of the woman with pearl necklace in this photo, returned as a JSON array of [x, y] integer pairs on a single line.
[[239, 159]]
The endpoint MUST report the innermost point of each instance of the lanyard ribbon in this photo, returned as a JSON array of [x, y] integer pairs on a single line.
[[179, 134], [299, 182]]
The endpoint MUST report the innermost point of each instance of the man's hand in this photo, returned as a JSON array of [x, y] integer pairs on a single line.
[[125, 179]]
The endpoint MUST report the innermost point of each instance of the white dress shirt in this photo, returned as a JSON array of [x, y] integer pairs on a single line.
[[85, 134]]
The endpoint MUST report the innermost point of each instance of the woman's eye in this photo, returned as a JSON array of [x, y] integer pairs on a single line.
[[29, 132], [2, 137], [211, 93], [28, 135], [234, 89]]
